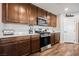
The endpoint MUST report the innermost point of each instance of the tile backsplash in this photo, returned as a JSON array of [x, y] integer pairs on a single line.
[[22, 28]]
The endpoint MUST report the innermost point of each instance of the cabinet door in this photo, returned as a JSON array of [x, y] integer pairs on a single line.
[[44, 13], [1, 50], [53, 20], [24, 10], [3, 12], [8, 46], [48, 18], [41, 13], [23, 46], [57, 37], [35, 44], [33, 15], [11, 12], [9, 49], [52, 39]]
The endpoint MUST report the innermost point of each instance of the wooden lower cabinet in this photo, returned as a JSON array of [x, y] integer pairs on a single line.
[[8, 49], [18, 46], [21, 46], [55, 38], [52, 39], [35, 43]]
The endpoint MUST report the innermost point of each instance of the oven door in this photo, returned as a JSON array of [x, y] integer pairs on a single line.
[[45, 41]]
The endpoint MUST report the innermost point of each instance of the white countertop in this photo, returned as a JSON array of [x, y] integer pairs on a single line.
[[15, 35], [6, 36]]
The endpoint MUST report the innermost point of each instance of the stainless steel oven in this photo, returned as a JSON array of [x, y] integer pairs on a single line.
[[45, 38], [45, 43]]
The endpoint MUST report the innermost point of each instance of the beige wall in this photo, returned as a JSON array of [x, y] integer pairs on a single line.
[[58, 23]]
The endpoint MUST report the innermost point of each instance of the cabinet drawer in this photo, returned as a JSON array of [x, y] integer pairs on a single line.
[[35, 36], [7, 40], [21, 38]]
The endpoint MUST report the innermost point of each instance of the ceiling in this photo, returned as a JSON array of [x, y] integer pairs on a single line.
[[58, 8]]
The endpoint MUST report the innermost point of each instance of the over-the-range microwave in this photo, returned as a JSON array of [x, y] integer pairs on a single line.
[[42, 21]]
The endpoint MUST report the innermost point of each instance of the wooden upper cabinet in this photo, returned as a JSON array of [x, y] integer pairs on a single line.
[[44, 13], [11, 12], [16, 13], [48, 18], [24, 10], [33, 15], [41, 13], [53, 20], [25, 13], [3, 12]]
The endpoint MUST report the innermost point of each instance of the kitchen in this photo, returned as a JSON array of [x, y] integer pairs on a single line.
[[28, 29]]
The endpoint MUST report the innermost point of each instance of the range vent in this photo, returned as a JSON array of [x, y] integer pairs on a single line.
[[69, 15]]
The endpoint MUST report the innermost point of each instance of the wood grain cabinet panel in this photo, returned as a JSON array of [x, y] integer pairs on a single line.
[[24, 13], [8, 46], [35, 43], [41, 13], [49, 19], [21, 46], [52, 39], [44, 13], [33, 15], [10, 11], [3, 12], [57, 37], [53, 20], [16, 13], [8, 49]]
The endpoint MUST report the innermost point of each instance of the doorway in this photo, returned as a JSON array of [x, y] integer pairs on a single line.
[[69, 29]]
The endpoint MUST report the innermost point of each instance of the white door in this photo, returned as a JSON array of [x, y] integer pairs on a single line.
[[69, 30]]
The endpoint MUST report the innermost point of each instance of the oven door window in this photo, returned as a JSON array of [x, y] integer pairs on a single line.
[[45, 41]]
